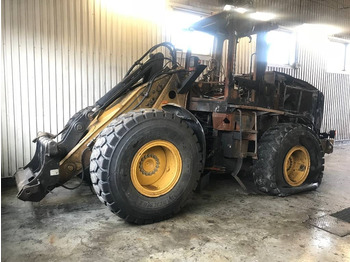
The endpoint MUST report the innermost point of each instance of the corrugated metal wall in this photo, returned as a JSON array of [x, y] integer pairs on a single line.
[[59, 56]]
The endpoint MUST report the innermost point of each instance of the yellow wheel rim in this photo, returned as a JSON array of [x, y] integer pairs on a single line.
[[296, 165], [156, 168]]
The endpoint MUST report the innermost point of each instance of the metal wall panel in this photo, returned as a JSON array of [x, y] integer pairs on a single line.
[[59, 56]]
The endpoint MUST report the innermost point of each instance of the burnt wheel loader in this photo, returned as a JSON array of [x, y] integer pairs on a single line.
[[146, 143]]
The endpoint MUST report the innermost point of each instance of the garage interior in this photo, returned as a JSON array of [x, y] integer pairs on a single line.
[[60, 56]]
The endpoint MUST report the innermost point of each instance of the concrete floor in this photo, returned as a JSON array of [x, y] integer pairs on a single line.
[[223, 223]]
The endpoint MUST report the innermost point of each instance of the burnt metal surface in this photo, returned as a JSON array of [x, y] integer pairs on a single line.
[[297, 99], [208, 105], [282, 92], [230, 64], [271, 92], [233, 121], [260, 56], [279, 94], [224, 121]]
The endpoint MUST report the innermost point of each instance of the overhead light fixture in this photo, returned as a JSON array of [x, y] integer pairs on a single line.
[[262, 16], [240, 10]]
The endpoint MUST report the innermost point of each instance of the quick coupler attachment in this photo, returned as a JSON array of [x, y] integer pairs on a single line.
[[41, 174]]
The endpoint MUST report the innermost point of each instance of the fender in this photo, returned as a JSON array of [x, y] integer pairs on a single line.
[[192, 122]]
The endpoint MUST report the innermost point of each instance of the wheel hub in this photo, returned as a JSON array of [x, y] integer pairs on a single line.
[[156, 168], [296, 166], [149, 164]]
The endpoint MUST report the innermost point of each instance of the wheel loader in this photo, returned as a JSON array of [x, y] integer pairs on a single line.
[[146, 143]]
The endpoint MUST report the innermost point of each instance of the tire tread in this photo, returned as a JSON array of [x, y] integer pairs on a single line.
[[102, 154], [263, 170]]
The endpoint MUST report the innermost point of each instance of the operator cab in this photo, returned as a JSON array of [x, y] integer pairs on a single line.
[[227, 27], [219, 88]]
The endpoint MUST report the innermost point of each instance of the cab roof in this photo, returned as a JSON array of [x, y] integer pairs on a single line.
[[227, 22]]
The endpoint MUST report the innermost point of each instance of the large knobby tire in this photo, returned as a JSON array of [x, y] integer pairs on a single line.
[[145, 164], [289, 156]]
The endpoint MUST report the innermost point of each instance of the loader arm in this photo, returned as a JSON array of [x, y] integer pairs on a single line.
[[146, 85], [72, 164]]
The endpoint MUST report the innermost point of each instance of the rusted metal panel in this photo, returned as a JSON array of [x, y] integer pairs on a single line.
[[232, 122], [223, 121]]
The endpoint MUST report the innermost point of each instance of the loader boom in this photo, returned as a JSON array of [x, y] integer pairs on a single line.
[[146, 85]]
